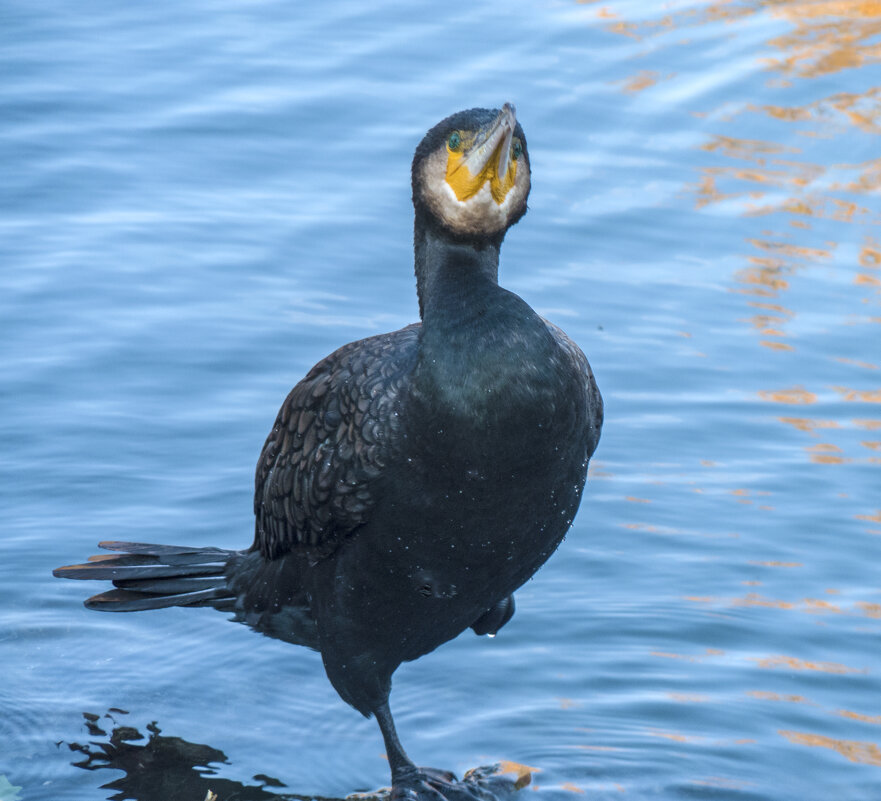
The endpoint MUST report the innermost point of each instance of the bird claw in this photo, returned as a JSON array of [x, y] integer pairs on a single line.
[[429, 784]]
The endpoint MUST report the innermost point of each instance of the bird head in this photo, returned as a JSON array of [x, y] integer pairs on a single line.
[[471, 173]]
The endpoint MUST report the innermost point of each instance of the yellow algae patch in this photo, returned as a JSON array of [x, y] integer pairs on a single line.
[[774, 662], [854, 750], [795, 395]]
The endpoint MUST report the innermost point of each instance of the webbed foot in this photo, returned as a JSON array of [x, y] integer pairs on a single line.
[[478, 784]]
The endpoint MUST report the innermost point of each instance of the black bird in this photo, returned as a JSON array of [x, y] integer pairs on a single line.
[[413, 480]]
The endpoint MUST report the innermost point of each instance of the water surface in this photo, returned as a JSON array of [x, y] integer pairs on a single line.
[[199, 201]]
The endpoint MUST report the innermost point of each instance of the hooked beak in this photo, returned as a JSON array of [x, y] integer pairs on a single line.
[[490, 141], [487, 160]]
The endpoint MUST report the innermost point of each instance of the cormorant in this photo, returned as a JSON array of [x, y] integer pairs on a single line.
[[412, 480]]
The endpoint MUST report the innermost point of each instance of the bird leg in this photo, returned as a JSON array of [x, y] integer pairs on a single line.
[[410, 783], [399, 762]]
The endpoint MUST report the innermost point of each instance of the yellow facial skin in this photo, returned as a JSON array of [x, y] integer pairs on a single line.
[[465, 185]]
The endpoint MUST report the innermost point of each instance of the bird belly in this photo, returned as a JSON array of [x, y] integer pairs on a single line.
[[455, 547]]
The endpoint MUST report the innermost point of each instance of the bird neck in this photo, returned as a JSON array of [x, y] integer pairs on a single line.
[[484, 354], [448, 271]]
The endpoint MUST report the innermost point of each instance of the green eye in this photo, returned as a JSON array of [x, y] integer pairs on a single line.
[[516, 151], [455, 141]]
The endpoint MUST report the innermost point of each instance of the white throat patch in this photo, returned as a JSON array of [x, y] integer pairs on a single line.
[[479, 214]]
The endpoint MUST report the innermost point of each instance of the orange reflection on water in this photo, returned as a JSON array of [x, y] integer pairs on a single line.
[[771, 345], [809, 605], [854, 750], [643, 80], [795, 395], [870, 255], [824, 453], [857, 363], [793, 663], [870, 610], [807, 424], [769, 696], [688, 657], [873, 719], [828, 36], [859, 395]]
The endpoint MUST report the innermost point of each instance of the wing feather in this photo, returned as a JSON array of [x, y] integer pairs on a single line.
[[332, 438]]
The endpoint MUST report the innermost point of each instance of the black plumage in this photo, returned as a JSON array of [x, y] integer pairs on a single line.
[[414, 480]]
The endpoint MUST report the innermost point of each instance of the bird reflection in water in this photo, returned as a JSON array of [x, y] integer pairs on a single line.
[[412, 480], [161, 768], [165, 768]]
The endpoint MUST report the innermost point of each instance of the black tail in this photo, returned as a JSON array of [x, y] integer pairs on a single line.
[[156, 576]]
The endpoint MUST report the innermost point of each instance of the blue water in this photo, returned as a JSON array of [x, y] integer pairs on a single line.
[[200, 200]]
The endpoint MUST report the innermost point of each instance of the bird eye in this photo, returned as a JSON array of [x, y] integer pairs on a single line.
[[455, 141], [516, 151]]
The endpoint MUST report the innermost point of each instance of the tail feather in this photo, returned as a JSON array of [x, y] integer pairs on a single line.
[[169, 585], [157, 550], [156, 576], [129, 601]]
